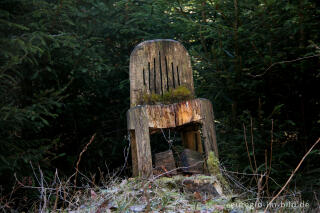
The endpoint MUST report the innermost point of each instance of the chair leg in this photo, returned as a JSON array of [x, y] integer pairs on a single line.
[[134, 153], [140, 146], [208, 128]]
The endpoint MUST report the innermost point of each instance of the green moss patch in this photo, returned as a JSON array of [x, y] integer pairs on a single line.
[[181, 93]]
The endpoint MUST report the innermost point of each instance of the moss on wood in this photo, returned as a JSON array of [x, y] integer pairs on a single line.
[[214, 169], [181, 93]]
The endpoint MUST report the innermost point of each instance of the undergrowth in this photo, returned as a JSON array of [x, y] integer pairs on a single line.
[[164, 194]]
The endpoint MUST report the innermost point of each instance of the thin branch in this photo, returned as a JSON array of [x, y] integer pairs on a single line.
[[252, 144], [79, 159], [282, 62], [245, 140], [291, 176], [182, 167]]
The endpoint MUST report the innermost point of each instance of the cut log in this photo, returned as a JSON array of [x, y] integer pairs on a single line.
[[164, 163], [203, 187], [192, 161]]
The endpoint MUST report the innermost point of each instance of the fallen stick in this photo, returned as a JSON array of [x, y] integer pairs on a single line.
[[291, 176]]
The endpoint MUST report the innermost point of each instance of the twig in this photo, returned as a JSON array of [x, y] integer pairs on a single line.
[[282, 62], [252, 143], [245, 140], [58, 185], [126, 152], [260, 189], [242, 173], [43, 192], [296, 169], [182, 167], [79, 159], [238, 183], [270, 160]]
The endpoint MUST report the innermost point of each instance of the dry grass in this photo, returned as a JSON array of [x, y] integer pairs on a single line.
[[197, 193], [162, 194]]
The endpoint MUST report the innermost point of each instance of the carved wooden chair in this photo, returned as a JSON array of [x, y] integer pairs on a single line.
[[156, 66]]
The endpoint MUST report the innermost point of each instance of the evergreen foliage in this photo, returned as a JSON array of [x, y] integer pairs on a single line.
[[64, 77]]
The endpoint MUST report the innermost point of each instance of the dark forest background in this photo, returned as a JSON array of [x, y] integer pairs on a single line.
[[64, 76]]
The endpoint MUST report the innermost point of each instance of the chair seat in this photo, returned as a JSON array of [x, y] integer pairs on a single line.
[[146, 118], [170, 115]]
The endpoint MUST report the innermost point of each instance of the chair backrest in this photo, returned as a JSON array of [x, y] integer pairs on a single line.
[[156, 66]]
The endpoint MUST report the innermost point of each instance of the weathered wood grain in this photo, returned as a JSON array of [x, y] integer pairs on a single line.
[[208, 128], [192, 140], [134, 153], [178, 114], [169, 116], [141, 150], [164, 163], [156, 66], [192, 161], [188, 140], [199, 142]]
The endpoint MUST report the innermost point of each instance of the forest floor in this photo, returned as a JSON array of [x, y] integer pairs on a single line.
[[196, 193]]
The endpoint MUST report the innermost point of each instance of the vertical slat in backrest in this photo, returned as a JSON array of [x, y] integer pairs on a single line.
[[156, 66]]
